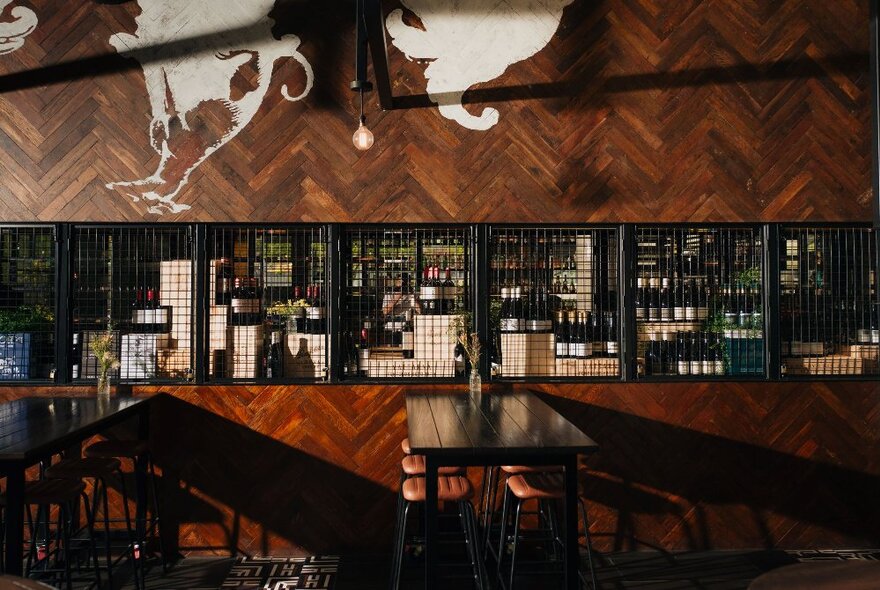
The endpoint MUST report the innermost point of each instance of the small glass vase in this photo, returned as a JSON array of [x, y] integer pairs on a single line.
[[475, 384], [104, 387]]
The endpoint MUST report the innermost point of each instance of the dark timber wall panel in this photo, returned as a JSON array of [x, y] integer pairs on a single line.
[[713, 110]]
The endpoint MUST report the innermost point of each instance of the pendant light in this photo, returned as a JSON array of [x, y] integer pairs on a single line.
[[363, 138]]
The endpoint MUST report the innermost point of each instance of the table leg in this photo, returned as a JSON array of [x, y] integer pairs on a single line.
[[14, 520], [572, 553], [431, 545]]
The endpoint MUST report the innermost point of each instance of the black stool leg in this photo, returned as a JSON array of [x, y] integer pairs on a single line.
[[65, 513], [502, 539], [489, 511], [90, 525], [589, 541], [135, 569], [399, 545], [108, 549], [516, 522], [156, 521], [470, 521]]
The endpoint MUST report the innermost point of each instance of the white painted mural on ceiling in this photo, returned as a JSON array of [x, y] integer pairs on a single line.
[[14, 32], [190, 52], [472, 42]]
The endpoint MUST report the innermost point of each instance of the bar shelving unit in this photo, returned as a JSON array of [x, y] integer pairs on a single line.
[[356, 303]]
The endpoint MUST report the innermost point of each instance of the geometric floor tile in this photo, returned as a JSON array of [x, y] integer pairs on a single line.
[[284, 573]]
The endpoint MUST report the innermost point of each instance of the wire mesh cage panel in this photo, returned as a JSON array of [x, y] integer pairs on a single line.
[[27, 302], [829, 301], [134, 286], [553, 302], [405, 297], [267, 303], [699, 301]]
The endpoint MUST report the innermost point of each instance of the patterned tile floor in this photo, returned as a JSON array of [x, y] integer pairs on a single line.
[[707, 570]]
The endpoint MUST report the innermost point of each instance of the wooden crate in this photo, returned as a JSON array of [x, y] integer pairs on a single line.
[[244, 351], [833, 364], [175, 291], [381, 366], [305, 356], [174, 363], [589, 367], [865, 351], [528, 354], [139, 354], [431, 337]]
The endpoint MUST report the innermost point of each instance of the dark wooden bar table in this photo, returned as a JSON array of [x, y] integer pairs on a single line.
[[494, 429], [35, 428]]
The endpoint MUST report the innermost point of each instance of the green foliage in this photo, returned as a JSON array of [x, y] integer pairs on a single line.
[[27, 318], [750, 277], [288, 308]]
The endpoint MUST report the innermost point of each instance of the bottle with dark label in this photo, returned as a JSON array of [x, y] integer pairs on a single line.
[[429, 292], [576, 343], [245, 302], [596, 336], [703, 295], [407, 338], [706, 366], [584, 335], [223, 287], [562, 335], [653, 299], [364, 349], [275, 358], [690, 304], [652, 358], [679, 289], [449, 291]]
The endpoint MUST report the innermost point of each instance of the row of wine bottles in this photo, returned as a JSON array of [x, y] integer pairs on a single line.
[[691, 353], [581, 335], [677, 300]]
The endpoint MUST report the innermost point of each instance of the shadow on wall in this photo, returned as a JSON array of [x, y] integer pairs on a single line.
[[646, 467], [269, 490]]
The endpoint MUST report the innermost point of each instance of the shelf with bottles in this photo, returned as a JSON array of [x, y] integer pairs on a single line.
[[698, 301], [267, 313], [553, 302], [829, 307], [398, 307]]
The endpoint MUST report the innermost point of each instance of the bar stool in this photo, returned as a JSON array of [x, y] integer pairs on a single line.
[[99, 470], [490, 493], [541, 486], [65, 494], [449, 489], [138, 452]]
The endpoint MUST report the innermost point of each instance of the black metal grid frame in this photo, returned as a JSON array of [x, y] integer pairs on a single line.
[[769, 319], [206, 233], [473, 267], [485, 277], [67, 261], [479, 268]]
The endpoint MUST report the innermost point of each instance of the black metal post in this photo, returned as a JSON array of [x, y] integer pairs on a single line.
[[479, 272], [334, 303], [875, 109], [627, 310], [63, 328], [771, 301], [200, 303]]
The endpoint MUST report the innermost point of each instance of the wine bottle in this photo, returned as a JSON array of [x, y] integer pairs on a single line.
[[275, 358], [665, 301], [75, 357], [652, 358], [653, 299], [681, 355], [408, 335], [640, 299], [690, 304], [706, 367], [702, 301], [678, 298], [563, 334], [245, 303], [595, 321], [696, 368], [448, 292], [610, 331], [576, 343]]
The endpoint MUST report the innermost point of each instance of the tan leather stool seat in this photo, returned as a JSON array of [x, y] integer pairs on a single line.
[[521, 469], [404, 446], [449, 489], [415, 465], [50, 491], [118, 448], [537, 486], [85, 467]]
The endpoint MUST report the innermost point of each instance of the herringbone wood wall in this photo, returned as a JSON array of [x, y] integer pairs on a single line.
[[637, 110], [715, 110]]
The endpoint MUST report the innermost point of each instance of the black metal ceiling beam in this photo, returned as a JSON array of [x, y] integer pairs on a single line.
[[375, 25]]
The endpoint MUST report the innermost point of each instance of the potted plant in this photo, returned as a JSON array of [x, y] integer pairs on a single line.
[[19, 328], [462, 334]]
